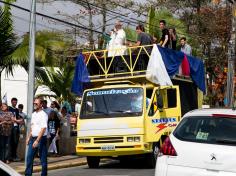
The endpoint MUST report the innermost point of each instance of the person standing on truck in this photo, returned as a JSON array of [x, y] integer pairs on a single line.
[[165, 38], [173, 38], [116, 46], [143, 38], [185, 47]]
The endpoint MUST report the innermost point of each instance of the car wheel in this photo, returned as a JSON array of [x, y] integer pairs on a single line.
[[93, 161], [151, 158]]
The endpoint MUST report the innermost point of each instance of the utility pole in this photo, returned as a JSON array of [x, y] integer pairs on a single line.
[[30, 98], [231, 57]]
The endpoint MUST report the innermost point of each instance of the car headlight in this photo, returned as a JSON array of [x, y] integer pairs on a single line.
[[84, 141], [130, 139]]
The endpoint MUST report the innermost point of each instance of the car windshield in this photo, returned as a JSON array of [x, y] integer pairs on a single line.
[[207, 129], [107, 103]]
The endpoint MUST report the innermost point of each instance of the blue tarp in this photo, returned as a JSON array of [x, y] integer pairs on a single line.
[[197, 72], [172, 60], [81, 76]]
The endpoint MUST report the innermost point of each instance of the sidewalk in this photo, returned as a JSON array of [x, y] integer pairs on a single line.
[[53, 163]]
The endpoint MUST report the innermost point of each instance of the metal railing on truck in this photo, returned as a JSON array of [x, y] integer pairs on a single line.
[[131, 65]]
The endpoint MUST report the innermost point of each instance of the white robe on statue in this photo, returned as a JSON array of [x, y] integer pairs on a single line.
[[116, 45]]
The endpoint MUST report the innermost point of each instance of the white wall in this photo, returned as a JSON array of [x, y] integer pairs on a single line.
[[15, 86]]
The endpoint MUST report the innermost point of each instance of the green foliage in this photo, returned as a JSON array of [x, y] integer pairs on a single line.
[[131, 34], [7, 40], [47, 44], [172, 22]]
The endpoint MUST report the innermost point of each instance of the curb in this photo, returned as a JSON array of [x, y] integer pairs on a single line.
[[55, 166]]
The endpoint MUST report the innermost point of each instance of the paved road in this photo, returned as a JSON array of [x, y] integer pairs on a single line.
[[110, 168]]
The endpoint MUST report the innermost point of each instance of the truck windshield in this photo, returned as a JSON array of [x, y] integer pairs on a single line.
[[107, 103]]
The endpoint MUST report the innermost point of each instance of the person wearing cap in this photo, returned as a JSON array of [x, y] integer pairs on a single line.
[[116, 46]]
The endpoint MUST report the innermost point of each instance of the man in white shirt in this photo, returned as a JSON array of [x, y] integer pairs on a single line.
[[37, 139], [116, 46]]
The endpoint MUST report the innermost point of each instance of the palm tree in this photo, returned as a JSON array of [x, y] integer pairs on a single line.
[[7, 41], [58, 80], [49, 50]]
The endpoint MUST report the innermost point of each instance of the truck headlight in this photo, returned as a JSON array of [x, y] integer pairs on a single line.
[[133, 139], [130, 139], [136, 139], [84, 141]]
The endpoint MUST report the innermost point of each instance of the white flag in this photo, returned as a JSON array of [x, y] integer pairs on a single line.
[[156, 70]]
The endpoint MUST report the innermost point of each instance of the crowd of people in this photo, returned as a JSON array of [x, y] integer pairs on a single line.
[[13, 122], [168, 39]]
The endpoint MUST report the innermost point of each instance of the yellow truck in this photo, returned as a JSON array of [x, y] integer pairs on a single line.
[[123, 114]]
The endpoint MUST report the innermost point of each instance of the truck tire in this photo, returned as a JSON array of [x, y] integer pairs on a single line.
[[151, 158], [93, 161]]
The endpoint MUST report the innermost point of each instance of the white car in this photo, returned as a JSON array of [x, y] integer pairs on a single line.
[[6, 170], [202, 144]]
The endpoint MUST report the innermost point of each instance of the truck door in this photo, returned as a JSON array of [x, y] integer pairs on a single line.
[[163, 112]]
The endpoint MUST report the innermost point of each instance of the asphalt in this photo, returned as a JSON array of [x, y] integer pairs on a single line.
[[58, 162]]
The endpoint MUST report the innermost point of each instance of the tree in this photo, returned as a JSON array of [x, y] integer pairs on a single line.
[[50, 49], [155, 16], [58, 80], [7, 41], [88, 16]]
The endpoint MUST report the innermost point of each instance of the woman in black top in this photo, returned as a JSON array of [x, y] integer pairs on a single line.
[[54, 127], [173, 38]]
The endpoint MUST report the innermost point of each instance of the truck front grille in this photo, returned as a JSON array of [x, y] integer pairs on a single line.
[[108, 140]]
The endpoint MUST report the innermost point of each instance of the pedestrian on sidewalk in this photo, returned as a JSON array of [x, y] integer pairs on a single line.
[[37, 139], [53, 129], [6, 121], [15, 135]]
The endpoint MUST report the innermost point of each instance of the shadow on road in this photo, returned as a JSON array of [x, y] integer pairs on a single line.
[[124, 164]]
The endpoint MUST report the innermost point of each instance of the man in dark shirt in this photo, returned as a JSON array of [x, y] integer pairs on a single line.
[[165, 38], [15, 129], [143, 38]]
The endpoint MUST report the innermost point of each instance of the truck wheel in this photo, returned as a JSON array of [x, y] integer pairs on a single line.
[[151, 158], [93, 161]]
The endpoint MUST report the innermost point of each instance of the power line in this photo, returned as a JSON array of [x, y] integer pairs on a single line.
[[131, 20], [134, 21], [135, 11], [40, 24], [53, 18]]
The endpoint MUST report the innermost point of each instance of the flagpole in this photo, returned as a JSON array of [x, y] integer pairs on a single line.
[[30, 97]]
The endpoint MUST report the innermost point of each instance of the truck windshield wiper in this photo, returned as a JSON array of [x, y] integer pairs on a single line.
[[226, 141], [101, 112]]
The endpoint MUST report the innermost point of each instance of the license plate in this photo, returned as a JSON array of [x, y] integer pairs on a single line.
[[108, 147]]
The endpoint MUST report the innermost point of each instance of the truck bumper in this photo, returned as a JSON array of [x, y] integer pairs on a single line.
[[119, 150]]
